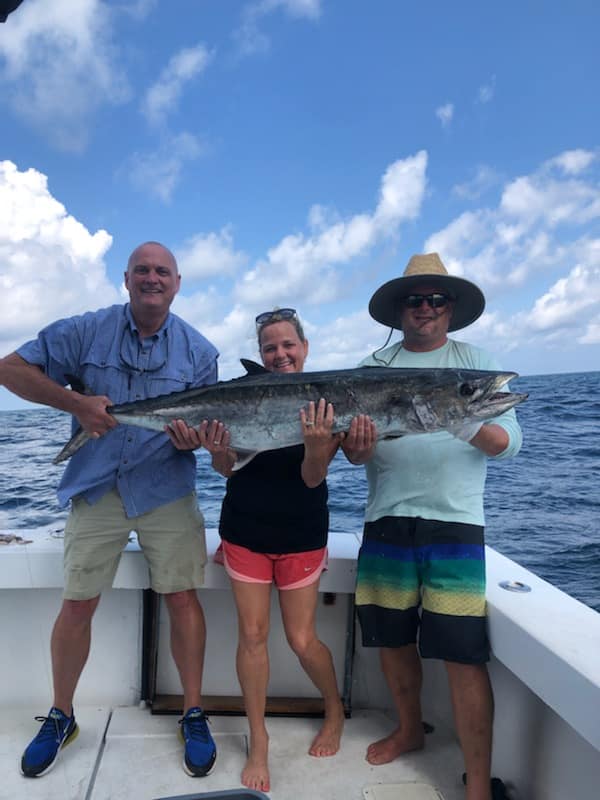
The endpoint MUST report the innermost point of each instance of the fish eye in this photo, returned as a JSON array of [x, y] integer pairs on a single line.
[[467, 389]]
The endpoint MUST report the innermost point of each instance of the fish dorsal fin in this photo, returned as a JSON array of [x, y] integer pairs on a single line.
[[252, 367]]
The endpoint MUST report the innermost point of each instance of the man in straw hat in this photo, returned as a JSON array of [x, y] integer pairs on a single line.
[[421, 566]]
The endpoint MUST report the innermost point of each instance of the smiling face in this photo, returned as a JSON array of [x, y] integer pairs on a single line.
[[425, 328], [152, 281], [281, 348]]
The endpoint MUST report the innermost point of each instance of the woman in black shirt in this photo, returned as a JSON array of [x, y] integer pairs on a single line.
[[274, 523]]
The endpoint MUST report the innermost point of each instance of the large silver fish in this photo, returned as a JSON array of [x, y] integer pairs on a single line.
[[261, 409]]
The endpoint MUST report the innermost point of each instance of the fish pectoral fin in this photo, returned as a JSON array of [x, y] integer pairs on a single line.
[[243, 459], [389, 436], [252, 367]]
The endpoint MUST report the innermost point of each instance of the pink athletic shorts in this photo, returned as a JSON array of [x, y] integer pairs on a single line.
[[285, 570]]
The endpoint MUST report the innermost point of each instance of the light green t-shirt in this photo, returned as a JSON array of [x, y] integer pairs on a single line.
[[433, 475]]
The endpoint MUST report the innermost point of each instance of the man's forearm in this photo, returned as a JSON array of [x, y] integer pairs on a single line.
[[29, 382]]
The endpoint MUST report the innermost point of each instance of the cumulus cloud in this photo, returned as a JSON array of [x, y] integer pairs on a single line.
[[163, 96], [505, 245], [52, 266], [158, 171], [304, 266], [230, 328], [537, 197], [249, 37], [573, 162], [58, 49], [345, 341], [542, 239], [568, 300], [445, 114], [209, 254]]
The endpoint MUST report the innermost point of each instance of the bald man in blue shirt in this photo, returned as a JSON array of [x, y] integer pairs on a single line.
[[124, 479]]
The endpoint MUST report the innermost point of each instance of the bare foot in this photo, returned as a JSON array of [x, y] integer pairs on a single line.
[[255, 774], [394, 745], [327, 740]]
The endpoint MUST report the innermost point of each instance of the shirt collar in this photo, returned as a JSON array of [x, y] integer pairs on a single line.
[[160, 333]]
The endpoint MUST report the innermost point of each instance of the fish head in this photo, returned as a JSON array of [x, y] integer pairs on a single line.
[[480, 398], [425, 401]]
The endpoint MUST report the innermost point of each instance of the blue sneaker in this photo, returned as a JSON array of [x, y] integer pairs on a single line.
[[56, 732], [200, 750]]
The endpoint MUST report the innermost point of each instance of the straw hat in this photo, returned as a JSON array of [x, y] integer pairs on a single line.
[[428, 269]]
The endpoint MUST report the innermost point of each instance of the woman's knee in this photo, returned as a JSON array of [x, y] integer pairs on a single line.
[[303, 641], [254, 635]]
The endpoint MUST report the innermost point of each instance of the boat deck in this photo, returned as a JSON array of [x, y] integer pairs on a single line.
[[130, 754]]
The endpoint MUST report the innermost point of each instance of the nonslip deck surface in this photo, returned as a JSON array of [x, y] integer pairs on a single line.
[[129, 754]]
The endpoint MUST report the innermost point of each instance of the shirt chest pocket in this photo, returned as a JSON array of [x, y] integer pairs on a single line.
[[107, 373], [167, 381], [101, 375]]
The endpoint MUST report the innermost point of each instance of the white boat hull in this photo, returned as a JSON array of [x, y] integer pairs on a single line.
[[545, 672]]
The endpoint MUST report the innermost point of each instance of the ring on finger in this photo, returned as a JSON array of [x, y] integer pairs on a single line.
[[308, 423]]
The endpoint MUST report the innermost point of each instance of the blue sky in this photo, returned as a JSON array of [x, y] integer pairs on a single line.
[[298, 152]]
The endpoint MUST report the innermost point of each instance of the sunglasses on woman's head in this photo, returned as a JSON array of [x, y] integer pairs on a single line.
[[276, 315], [435, 300]]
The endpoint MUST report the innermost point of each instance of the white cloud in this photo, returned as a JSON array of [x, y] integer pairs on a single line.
[[573, 162], [158, 172], [232, 332], [162, 96], [468, 232], [303, 267], [523, 235], [568, 300], [209, 254], [542, 240], [344, 342], [52, 266], [58, 66], [537, 197], [445, 114], [250, 39], [402, 190], [591, 334]]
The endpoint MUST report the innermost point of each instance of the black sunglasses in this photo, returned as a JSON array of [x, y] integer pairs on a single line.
[[435, 300], [276, 315]]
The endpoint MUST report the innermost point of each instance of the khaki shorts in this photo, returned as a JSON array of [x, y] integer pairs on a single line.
[[171, 537]]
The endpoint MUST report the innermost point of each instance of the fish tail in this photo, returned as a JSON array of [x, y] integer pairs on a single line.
[[76, 441]]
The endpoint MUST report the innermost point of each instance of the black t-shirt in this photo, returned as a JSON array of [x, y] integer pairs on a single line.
[[269, 509]]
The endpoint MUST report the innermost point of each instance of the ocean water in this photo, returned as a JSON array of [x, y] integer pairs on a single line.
[[541, 507]]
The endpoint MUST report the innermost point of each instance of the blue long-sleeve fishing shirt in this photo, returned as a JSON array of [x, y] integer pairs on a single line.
[[102, 349]]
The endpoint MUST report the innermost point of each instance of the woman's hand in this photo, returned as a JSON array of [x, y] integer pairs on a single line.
[[320, 445]]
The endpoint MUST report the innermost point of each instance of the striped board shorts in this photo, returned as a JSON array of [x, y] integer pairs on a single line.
[[424, 580]]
